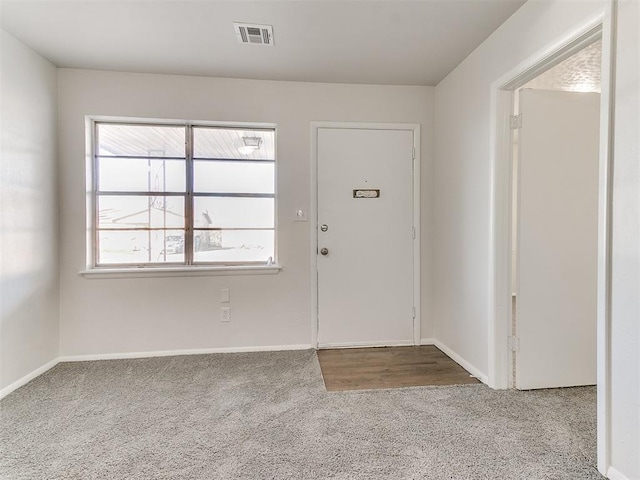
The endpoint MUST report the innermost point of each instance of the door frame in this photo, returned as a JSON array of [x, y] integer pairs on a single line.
[[313, 218], [502, 93]]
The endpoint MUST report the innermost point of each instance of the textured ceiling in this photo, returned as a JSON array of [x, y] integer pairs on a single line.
[[578, 73]]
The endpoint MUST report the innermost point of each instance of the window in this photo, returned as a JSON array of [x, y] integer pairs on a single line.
[[183, 195]]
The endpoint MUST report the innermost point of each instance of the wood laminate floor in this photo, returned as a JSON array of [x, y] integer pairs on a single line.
[[389, 367]]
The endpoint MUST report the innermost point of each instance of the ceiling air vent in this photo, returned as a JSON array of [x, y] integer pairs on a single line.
[[254, 34]]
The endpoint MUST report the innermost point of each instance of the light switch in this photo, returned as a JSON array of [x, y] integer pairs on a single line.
[[300, 215], [225, 296]]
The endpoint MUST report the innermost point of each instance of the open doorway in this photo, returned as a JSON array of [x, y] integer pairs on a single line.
[[501, 301], [554, 224]]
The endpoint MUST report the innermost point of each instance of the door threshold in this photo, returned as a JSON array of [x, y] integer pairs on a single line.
[[329, 346]]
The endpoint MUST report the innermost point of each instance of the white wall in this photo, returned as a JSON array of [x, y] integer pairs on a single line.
[[462, 174], [150, 314], [29, 317], [462, 189], [625, 312]]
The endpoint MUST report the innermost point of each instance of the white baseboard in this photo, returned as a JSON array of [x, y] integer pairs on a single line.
[[456, 358], [365, 344], [174, 353], [27, 378], [613, 474]]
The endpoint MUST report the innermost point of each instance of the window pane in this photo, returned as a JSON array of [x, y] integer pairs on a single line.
[[233, 143], [140, 212], [148, 166], [233, 177], [222, 212], [170, 247], [141, 175], [137, 246], [141, 140], [234, 246]]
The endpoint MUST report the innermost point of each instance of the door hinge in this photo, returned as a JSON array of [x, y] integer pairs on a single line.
[[514, 344], [413, 153], [414, 312], [413, 232], [515, 121]]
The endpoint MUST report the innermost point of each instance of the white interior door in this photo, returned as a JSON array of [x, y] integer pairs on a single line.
[[365, 221], [557, 251]]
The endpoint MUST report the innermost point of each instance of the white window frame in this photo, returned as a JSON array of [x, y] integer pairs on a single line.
[[188, 267]]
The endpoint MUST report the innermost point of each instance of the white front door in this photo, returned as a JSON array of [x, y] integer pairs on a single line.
[[558, 239], [365, 223]]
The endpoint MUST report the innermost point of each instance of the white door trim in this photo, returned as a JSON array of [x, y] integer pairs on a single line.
[[500, 241], [313, 217]]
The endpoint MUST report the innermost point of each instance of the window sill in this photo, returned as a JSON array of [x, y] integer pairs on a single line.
[[157, 272]]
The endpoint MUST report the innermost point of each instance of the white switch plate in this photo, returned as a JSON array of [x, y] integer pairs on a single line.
[[300, 215], [225, 296], [225, 314]]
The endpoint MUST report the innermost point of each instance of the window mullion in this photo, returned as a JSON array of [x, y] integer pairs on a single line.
[[188, 204]]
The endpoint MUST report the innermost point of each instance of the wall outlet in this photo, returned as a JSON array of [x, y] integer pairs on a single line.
[[225, 314], [225, 296]]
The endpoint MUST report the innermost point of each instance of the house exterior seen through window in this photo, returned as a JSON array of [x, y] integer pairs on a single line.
[[183, 195]]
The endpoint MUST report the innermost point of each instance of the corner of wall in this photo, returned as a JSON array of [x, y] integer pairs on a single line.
[[29, 317]]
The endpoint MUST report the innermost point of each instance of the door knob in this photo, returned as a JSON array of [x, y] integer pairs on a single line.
[[324, 227], [324, 251]]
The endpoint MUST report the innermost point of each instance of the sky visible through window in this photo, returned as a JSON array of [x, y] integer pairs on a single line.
[[142, 184]]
